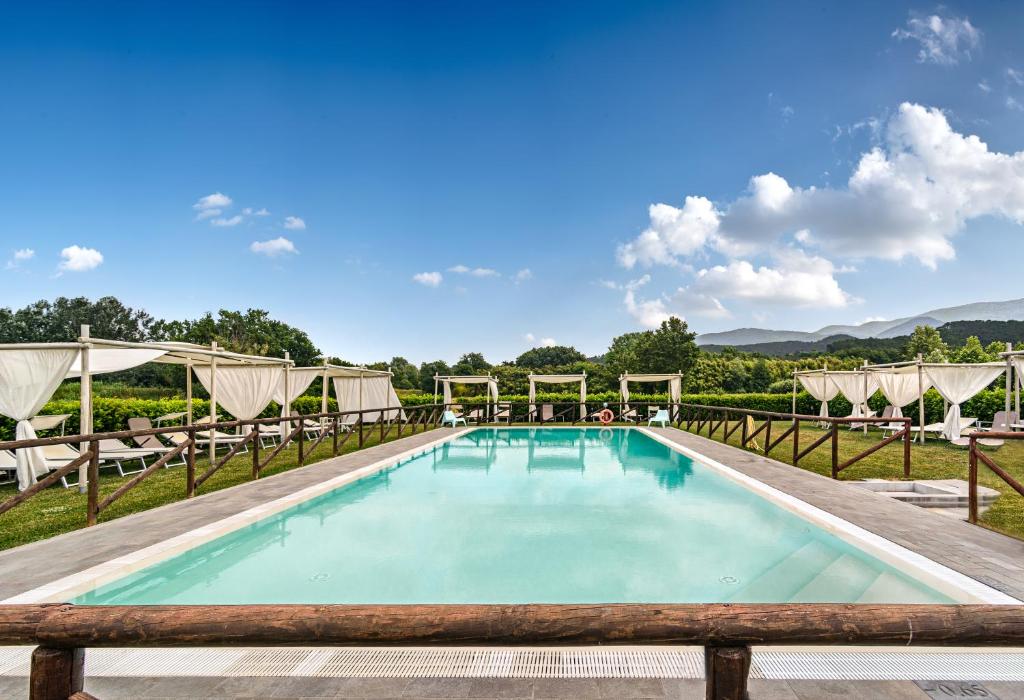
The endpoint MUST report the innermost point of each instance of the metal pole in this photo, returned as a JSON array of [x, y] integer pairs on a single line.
[[920, 397], [84, 403], [213, 403]]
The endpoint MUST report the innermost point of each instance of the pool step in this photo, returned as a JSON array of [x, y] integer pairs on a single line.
[[788, 575], [889, 588], [842, 580]]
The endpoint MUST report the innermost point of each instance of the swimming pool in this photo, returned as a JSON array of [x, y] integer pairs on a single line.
[[523, 515]]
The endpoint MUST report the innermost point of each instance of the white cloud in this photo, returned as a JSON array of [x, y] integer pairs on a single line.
[[474, 271], [522, 275], [798, 279], [529, 337], [78, 259], [1013, 103], [1015, 76], [672, 233], [548, 342], [428, 279], [294, 223], [20, 256], [907, 197], [216, 200], [208, 214], [944, 40], [261, 212], [273, 247], [683, 303], [232, 221], [984, 86]]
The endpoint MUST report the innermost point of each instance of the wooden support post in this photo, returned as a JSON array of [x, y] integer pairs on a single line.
[[382, 427], [190, 464], [906, 449], [93, 487], [972, 482], [334, 436], [768, 435], [302, 440], [835, 450], [256, 453], [360, 423], [56, 674], [726, 672], [796, 441]]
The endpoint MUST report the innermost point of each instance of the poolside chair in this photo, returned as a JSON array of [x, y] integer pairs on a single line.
[[8, 467], [113, 450], [870, 414], [937, 428], [450, 417], [1001, 422], [547, 412], [982, 442], [660, 417], [630, 415], [59, 455], [503, 412]]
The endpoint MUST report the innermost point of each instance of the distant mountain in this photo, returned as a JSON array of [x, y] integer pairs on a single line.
[[1012, 310]]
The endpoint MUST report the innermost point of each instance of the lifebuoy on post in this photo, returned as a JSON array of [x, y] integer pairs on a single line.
[[606, 416]]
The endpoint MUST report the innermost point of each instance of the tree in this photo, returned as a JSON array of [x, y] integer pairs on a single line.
[[670, 348], [252, 333], [926, 341], [623, 353], [760, 377], [553, 356], [404, 374], [61, 321], [471, 363], [427, 372], [736, 378]]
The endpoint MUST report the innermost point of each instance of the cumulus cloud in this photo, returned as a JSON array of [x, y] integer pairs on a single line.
[[522, 275], [907, 197], [1014, 76], [797, 279], [20, 256], [273, 247], [217, 200], [78, 259], [684, 303], [227, 222], [548, 342], [474, 271], [529, 337], [428, 279], [294, 223], [943, 40]]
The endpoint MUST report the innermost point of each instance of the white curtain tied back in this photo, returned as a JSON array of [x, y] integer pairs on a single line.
[[957, 383], [28, 378], [857, 391], [299, 380], [377, 393], [901, 386], [675, 385], [244, 391], [446, 386], [559, 379], [821, 388]]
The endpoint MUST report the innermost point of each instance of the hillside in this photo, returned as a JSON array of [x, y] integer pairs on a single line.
[[1011, 310]]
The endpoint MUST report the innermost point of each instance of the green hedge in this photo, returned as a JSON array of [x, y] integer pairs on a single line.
[[112, 414]]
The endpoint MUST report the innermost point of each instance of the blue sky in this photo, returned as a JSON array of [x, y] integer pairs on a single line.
[[477, 176]]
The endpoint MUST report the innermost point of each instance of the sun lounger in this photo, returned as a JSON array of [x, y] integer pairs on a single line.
[[547, 412], [503, 412], [937, 428], [8, 467], [449, 417]]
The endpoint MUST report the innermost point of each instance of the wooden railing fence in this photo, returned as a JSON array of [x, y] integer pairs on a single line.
[[977, 455]]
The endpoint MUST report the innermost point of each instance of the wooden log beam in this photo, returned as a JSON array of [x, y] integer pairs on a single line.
[[871, 450], [134, 481], [44, 483], [769, 446], [77, 626], [284, 443], [813, 446]]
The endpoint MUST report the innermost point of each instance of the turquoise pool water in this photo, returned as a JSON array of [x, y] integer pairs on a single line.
[[527, 516]]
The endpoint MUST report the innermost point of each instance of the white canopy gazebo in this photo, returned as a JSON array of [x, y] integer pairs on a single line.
[[675, 386], [446, 385], [31, 372], [362, 389], [1014, 368], [559, 379], [957, 383], [902, 383], [823, 384], [817, 383]]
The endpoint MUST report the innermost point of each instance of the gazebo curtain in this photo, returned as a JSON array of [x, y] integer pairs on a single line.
[[856, 388], [956, 384], [28, 378], [446, 386], [559, 379], [821, 388], [244, 391], [377, 393], [675, 385], [299, 380], [901, 386]]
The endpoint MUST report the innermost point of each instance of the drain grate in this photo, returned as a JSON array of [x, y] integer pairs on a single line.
[[589, 662]]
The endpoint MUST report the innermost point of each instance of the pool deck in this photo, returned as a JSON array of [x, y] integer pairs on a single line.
[[986, 556]]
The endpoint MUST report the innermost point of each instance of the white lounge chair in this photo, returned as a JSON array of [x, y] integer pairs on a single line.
[[450, 417], [8, 467], [858, 426], [503, 412], [937, 428], [660, 417], [1001, 422]]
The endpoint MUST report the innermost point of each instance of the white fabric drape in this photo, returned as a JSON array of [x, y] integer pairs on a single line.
[[28, 378], [1018, 367], [559, 379], [446, 386], [106, 360], [377, 392], [856, 389], [821, 388], [299, 379], [901, 387], [243, 390], [675, 385], [957, 383], [624, 392]]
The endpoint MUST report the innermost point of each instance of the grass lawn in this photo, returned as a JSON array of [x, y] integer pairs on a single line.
[[935, 459], [57, 510]]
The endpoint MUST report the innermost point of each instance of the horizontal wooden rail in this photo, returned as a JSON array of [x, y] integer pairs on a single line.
[[63, 632]]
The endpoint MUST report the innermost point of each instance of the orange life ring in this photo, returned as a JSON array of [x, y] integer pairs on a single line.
[[606, 416]]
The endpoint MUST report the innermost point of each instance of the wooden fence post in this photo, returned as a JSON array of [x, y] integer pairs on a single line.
[[256, 453], [906, 449], [835, 450], [56, 674], [302, 440], [361, 438], [796, 441], [726, 671], [93, 474], [972, 482], [190, 465], [334, 437]]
